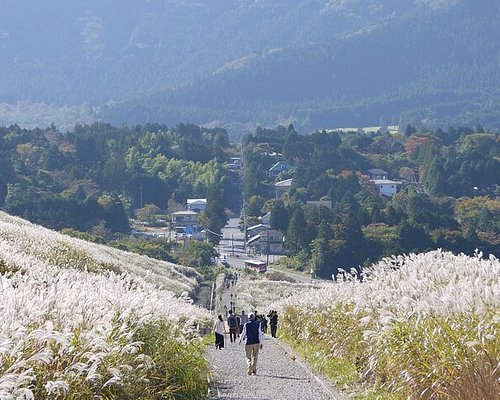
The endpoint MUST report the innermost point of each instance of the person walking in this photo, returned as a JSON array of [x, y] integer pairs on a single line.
[[263, 323], [273, 322], [243, 321], [219, 331], [233, 326], [254, 337]]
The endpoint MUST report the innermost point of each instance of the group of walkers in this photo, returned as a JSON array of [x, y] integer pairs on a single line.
[[250, 329]]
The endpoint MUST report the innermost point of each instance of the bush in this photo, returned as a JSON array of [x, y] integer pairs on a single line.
[[426, 357], [157, 363], [279, 276]]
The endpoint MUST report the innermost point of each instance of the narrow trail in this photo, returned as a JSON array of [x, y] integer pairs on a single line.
[[281, 374]]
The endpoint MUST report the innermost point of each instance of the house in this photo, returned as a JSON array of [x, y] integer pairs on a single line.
[[283, 187], [184, 219], [377, 173], [196, 205], [265, 219], [256, 229], [386, 187], [278, 168], [266, 242], [234, 163]]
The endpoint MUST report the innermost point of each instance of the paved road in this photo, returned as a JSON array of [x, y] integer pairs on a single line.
[[232, 247], [280, 375], [232, 241]]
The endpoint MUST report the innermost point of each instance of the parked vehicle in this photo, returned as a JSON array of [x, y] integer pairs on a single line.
[[256, 265]]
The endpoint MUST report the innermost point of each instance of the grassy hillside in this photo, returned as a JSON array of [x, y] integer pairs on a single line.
[[419, 326], [81, 320]]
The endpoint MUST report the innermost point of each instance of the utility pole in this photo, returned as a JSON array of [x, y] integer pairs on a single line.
[[267, 249], [242, 176], [244, 225]]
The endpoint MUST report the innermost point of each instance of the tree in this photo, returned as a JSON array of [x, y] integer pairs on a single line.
[[114, 213], [196, 254], [409, 130], [434, 180], [254, 206], [478, 213], [296, 239], [148, 213], [279, 216], [214, 217], [321, 256], [413, 238]]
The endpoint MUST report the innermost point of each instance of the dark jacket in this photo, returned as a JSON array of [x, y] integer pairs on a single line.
[[252, 332]]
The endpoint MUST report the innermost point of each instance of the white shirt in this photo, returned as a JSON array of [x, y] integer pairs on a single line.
[[219, 327]]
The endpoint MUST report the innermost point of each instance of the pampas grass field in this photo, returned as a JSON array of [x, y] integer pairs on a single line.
[[85, 321], [418, 326], [81, 321]]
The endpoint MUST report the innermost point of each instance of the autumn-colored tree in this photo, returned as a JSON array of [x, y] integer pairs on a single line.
[[414, 143], [148, 213]]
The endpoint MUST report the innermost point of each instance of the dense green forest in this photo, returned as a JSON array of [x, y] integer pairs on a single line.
[[91, 52], [96, 176], [449, 197]]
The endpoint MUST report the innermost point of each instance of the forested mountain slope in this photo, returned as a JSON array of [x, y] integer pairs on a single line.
[[430, 67], [320, 63], [99, 51]]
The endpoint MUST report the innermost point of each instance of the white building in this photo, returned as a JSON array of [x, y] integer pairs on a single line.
[[386, 187], [266, 242], [283, 187], [256, 229], [196, 205], [265, 219]]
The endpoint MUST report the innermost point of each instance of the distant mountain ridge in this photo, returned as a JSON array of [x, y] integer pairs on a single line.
[[316, 63]]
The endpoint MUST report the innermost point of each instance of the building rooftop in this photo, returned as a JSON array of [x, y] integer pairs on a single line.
[[285, 183], [194, 201], [377, 171], [386, 182], [185, 212]]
